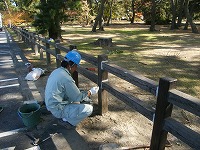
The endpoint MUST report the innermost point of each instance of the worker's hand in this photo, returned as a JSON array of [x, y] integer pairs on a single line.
[[94, 90]]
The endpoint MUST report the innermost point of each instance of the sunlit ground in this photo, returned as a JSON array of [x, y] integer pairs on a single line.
[[154, 54]]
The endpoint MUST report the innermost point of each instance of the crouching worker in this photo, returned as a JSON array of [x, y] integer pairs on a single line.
[[62, 96]]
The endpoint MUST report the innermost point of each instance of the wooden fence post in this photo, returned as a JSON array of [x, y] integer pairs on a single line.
[[25, 38], [163, 110], [71, 47], [102, 94], [75, 74], [31, 41], [30, 36], [48, 55], [58, 63], [35, 46], [40, 49], [18, 33], [23, 35]]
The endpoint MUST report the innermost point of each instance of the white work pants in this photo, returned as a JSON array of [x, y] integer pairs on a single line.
[[75, 113]]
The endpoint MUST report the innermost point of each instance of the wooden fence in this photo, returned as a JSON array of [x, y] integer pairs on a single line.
[[166, 98]]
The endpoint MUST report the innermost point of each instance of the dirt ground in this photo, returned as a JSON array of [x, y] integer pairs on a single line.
[[121, 124], [124, 126]]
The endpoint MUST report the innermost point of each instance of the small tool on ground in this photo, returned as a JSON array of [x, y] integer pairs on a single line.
[[34, 140], [37, 141]]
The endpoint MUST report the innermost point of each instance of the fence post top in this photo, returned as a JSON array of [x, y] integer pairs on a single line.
[[71, 47], [103, 56], [57, 41], [56, 44], [168, 79]]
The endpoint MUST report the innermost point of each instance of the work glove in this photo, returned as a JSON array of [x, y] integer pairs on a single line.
[[86, 100], [94, 90]]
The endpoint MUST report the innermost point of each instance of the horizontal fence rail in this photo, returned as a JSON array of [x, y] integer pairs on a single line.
[[130, 100], [165, 91], [182, 132], [184, 101], [132, 77]]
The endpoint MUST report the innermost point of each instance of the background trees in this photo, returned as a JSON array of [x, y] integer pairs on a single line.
[[48, 19], [48, 15]]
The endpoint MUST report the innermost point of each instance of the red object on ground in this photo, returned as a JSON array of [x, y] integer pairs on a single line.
[[91, 69]]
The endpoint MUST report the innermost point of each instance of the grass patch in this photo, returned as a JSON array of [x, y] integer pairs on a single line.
[[154, 54]]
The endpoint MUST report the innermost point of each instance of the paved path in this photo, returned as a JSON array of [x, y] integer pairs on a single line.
[[14, 90], [10, 94]]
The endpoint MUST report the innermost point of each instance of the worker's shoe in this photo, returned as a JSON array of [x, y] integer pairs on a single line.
[[66, 124]]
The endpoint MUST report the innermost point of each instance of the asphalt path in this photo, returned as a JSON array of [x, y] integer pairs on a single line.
[[14, 91], [11, 97]]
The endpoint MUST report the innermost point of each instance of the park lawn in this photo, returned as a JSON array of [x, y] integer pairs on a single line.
[[158, 54]]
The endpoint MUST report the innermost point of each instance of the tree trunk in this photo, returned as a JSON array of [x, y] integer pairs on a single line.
[[55, 27], [180, 12], [153, 15], [133, 11], [186, 25], [189, 17], [99, 17], [55, 31], [110, 13], [174, 7], [101, 24]]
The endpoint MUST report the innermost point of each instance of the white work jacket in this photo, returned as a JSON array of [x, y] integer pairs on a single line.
[[60, 91]]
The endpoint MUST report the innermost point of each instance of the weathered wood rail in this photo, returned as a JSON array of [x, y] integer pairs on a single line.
[[166, 98]]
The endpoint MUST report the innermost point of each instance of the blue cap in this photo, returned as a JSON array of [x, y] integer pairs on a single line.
[[73, 56]]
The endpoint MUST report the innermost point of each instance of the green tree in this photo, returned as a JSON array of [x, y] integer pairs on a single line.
[[162, 11], [48, 20], [27, 5], [6, 6], [84, 13]]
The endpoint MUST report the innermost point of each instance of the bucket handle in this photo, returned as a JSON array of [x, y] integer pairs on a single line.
[[24, 117]]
